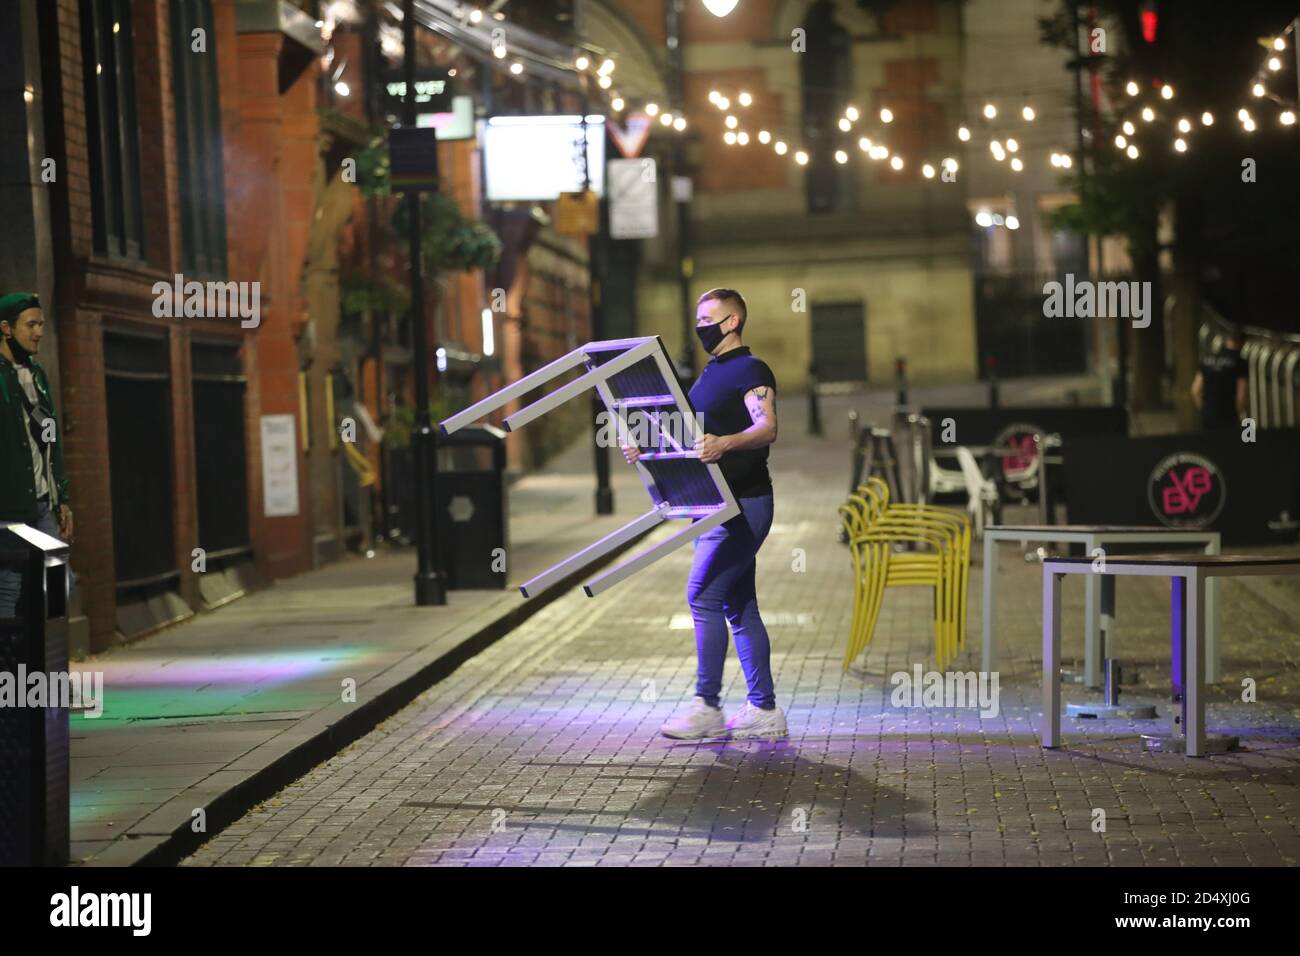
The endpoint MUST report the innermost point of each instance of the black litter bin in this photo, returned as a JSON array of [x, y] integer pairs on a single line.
[[472, 507], [34, 755]]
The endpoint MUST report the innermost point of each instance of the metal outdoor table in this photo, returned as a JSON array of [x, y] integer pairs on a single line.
[[1189, 577], [1093, 536]]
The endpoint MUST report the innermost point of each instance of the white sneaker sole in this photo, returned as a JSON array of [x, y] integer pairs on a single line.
[[687, 736]]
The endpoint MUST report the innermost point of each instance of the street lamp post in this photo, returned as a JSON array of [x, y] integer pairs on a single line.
[[685, 267], [430, 583]]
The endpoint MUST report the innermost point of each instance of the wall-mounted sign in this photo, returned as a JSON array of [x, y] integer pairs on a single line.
[[413, 159], [577, 214], [458, 124], [633, 199], [279, 466], [433, 91], [538, 157]]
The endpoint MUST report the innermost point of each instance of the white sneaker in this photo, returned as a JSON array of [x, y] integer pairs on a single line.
[[694, 721], [756, 722]]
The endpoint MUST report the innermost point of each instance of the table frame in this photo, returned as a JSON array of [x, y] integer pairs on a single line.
[[1187, 581], [1099, 537]]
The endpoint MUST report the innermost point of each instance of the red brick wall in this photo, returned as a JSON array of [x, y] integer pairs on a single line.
[[726, 168]]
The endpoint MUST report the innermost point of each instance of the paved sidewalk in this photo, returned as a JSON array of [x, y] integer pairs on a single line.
[[544, 748], [215, 713]]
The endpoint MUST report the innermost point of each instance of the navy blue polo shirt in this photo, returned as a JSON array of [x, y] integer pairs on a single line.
[[719, 396]]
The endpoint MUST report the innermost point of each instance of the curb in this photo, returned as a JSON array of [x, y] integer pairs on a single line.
[[168, 835]]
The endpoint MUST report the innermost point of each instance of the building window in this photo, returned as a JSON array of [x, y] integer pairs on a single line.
[[111, 127], [826, 82], [198, 139]]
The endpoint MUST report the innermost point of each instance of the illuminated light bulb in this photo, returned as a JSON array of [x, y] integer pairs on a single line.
[[729, 138], [994, 145], [516, 68], [731, 122], [1249, 125], [722, 103], [1129, 128], [852, 114], [714, 96], [499, 51], [845, 124], [1279, 44], [1121, 142], [950, 164], [1184, 125], [927, 171], [652, 109], [1131, 88], [879, 152], [1055, 159], [581, 63], [886, 115], [745, 99], [864, 144], [1012, 146], [1016, 164], [1167, 92], [841, 157], [982, 218], [764, 137], [1258, 89], [801, 158], [606, 68], [1148, 114], [720, 8], [1274, 64], [1012, 222], [896, 162], [475, 16], [1287, 118], [666, 119], [780, 148], [1180, 144], [342, 89], [963, 133], [617, 104], [1207, 118], [997, 219], [990, 111], [1132, 152], [742, 138], [679, 124], [1028, 114], [1066, 161], [604, 82]]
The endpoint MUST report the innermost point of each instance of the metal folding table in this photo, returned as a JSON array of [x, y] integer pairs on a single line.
[[1189, 577], [1092, 537]]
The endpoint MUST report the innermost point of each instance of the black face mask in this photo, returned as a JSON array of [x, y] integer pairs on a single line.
[[20, 354], [711, 336]]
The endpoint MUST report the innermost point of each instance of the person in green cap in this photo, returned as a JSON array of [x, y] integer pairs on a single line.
[[33, 488]]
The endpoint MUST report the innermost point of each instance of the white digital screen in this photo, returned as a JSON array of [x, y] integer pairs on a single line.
[[538, 157]]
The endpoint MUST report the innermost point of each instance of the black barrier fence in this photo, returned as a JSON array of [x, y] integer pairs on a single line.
[[1247, 491], [34, 733]]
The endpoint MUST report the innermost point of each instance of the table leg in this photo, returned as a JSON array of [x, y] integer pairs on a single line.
[[1091, 625], [1212, 622], [990, 647], [1051, 732], [1194, 666]]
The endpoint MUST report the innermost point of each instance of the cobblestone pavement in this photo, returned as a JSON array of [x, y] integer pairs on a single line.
[[544, 750]]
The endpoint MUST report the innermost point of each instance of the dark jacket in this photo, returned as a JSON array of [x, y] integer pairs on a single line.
[[17, 483]]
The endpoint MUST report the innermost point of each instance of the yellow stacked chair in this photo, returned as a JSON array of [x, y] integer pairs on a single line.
[[941, 560]]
